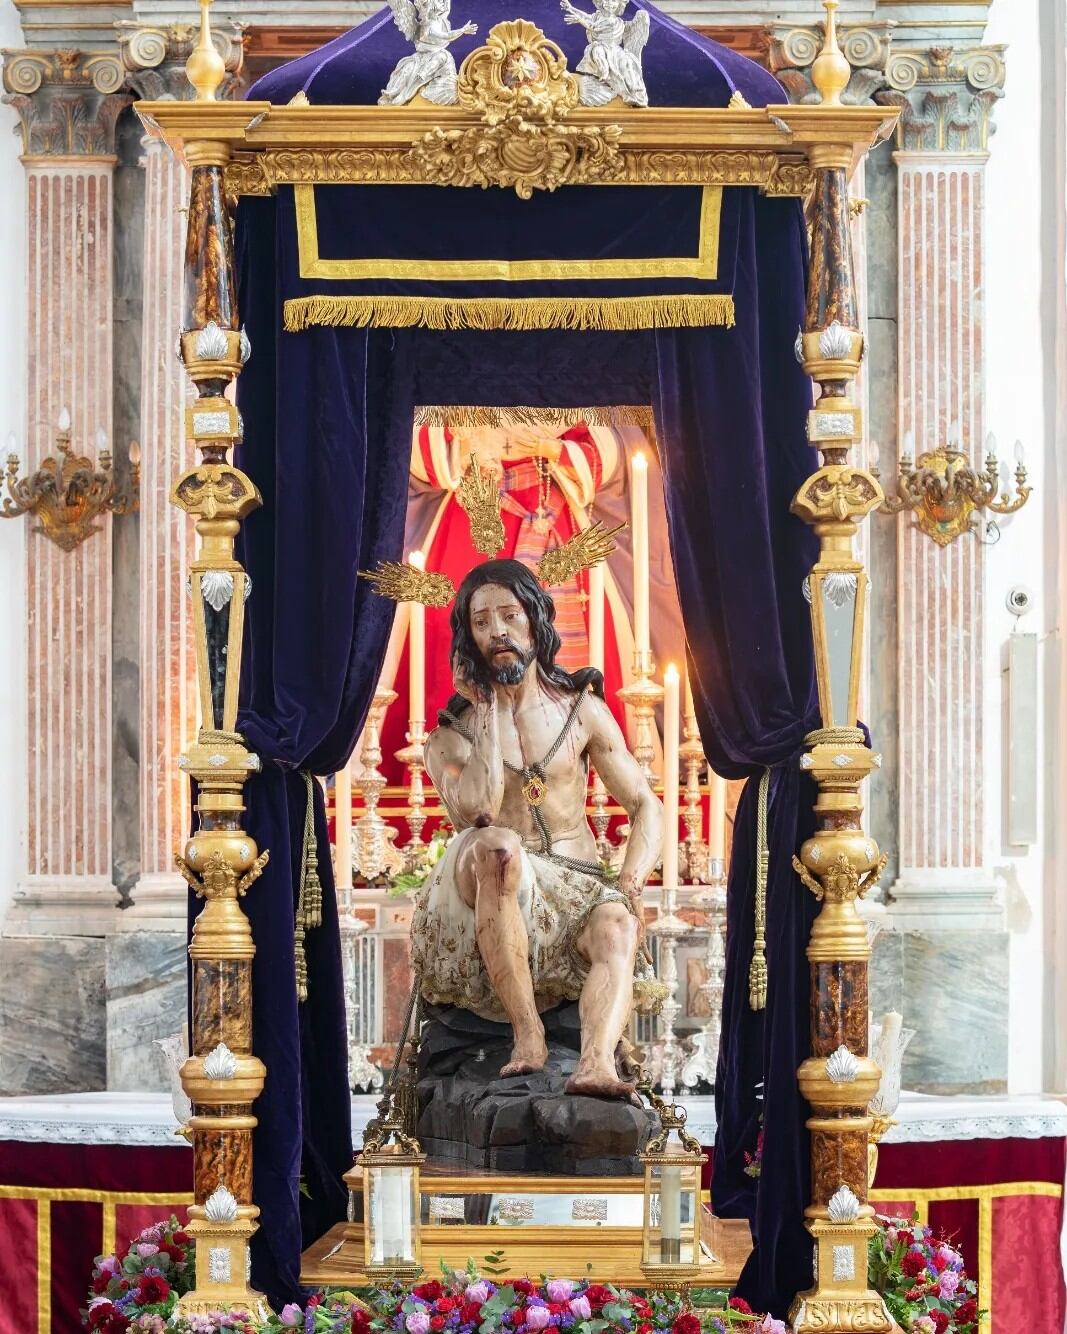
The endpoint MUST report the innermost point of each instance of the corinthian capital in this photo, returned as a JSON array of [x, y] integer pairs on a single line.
[[68, 102], [946, 97], [153, 59], [792, 53]]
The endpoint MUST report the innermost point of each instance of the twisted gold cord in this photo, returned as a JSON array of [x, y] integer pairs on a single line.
[[757, 969]]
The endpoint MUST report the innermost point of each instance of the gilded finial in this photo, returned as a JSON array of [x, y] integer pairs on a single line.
[[205, 68], [831, 71]]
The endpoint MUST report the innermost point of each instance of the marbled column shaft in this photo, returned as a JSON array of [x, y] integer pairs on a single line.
[[168, 656], [223, 1156], [940, 615], [222, 1005], [838, 1007], [831, 282], [210, 276], [68, 849]]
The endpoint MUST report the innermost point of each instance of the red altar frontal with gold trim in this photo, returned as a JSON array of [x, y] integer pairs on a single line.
[[999, 1194]]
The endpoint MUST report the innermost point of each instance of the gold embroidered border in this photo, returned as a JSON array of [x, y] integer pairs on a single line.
[[549, 312], [704, 266], [983, 1196]]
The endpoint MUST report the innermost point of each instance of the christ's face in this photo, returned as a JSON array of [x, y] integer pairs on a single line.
[[501, 631]]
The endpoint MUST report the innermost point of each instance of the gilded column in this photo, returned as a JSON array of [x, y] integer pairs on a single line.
[[154, 61], [946, 98], [68, 106], [840, 862]]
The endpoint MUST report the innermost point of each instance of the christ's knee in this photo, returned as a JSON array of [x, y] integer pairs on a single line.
[[610, 934], [496, 854]]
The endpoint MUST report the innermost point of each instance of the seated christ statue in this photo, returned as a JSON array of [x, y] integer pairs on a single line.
[[519, 914]]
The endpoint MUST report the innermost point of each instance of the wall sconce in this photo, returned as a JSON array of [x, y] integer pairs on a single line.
[[67, 494], [392, 1202], [670, 1249], [946, 494]]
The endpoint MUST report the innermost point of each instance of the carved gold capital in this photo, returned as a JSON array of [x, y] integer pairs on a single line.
[[946, 97], [216, 490], [837, 494], [68, 102], [153, 58], [793, 50]]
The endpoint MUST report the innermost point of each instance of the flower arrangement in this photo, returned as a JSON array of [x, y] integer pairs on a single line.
[[138, 1288], [922, 1278], [415, 879]]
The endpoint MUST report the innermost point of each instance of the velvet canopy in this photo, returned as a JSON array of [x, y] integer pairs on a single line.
[[328, 412], [682, 68]]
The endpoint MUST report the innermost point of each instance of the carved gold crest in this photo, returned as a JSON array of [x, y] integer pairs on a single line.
[[520, 87]]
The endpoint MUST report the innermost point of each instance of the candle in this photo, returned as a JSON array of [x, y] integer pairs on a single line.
[[690, 708], [342, 793], [639, 524], [393, 1220], [717, 818], [417, 652], [670, 1214], [670, 777], [596, 616]]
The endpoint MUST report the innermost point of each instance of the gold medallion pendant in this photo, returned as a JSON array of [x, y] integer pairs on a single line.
[[534, 790]]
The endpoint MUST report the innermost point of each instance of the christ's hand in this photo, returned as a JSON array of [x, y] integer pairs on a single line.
[[470, 690]]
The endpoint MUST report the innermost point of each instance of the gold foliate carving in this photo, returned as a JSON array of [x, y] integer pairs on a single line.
[[588, 547], [218, 879], [837, 492], [407, 583], [479, 498], [525, 155], [862, 1315], [262, 173], [841, 882], [216, 490]]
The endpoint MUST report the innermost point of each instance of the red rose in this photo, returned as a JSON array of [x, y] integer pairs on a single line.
[[152, 1289], [470, 1313], [739, 1304], [598, 1296], [938, 1262], [99, 1314], [966, 1313], [913, 1264], [116, 1323], [524, 1286], [644, 1328], [686, 1323], [124, 1283], [100, 1284], [437, 1322], [444, 1304], [180, 1239], [314, 1299], [360, 1321], [940, 1320], [915, 1294], [176, 1253], [518, 1319], [428, 1291]]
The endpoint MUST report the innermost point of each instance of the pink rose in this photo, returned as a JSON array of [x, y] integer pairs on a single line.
[[947, 1283], [559, 1289], [923, 1325], [146, 1248], [291, 1315], [769, 1325], [537, 1317], [580, 1308], [418, 1322], [477, 1292]]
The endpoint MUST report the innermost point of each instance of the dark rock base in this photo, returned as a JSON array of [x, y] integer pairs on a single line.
[[470, 1116]]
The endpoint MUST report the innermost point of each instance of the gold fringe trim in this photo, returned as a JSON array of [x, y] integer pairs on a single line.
[[478, 414], [546, 312]]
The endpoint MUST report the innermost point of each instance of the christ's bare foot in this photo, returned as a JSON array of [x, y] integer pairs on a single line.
[[527, 1057], [597, 1081]]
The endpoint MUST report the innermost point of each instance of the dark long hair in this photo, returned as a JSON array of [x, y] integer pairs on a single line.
[[541, 612]]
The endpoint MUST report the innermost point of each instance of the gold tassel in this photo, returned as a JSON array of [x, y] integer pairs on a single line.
[[537, 312], [309, 897], [757, 969]]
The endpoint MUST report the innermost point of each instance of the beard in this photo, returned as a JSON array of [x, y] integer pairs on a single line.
[[509, 673]]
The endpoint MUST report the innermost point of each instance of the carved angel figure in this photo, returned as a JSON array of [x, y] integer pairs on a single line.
[[611, 65], [430, 69]]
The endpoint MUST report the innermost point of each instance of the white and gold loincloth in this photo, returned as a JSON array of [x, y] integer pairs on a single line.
[[555, 901]]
